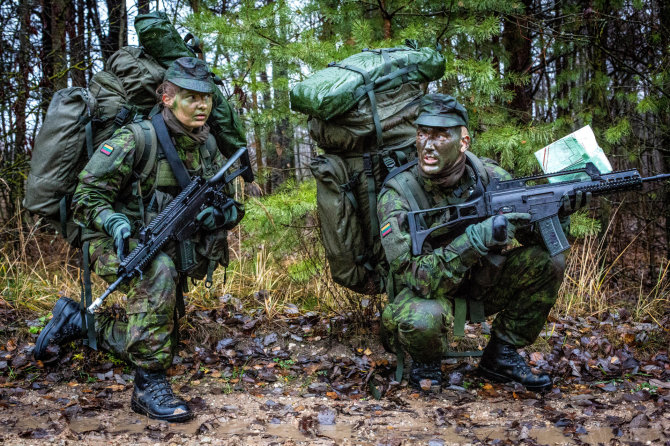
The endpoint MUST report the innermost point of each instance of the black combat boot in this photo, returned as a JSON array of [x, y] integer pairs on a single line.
[[422, 370], [64, 326], [153, 397], [501, 362]]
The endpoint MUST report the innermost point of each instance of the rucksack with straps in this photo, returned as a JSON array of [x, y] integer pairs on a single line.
[[78, 120], [362, 113]]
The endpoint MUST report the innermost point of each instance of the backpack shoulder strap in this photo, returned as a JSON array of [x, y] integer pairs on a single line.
[[404, 182], [211, 146], [478, 165], [146, 148], [170, 152]]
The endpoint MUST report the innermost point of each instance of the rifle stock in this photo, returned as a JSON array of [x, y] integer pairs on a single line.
[[177, 220], [542, 201]]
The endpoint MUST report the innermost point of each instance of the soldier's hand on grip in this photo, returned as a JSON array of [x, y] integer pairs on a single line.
[[498, 230], [212, 218], [117, 225], [581, 200]]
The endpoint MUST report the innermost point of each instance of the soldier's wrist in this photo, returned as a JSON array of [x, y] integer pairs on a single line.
[[99, 222], [475, 240], [463, 247]]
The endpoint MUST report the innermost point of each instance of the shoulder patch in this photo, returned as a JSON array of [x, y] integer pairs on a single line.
[[386, 229], [106, 149]]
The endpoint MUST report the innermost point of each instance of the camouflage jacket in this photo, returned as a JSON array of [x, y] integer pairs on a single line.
[[109, 183], [446, 259]]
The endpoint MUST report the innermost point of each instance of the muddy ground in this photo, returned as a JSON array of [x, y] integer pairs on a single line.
[[305, 380], [271, 416]]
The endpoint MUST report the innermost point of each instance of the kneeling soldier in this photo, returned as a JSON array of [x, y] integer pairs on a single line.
[[110, 203], [520, 285]]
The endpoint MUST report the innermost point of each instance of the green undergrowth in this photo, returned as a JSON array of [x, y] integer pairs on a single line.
[[277, 263]]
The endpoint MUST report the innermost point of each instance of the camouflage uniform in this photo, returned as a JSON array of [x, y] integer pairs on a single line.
[[107, 185], [419, 315]]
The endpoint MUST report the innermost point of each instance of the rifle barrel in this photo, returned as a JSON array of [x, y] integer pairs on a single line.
[[662, 176], [94, 306]]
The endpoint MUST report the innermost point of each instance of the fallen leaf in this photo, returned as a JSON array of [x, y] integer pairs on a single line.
[[659, 383], [425, 384], [332, 395]]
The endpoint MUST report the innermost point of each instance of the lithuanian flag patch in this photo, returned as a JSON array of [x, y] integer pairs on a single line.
[[107, 149], [386, 229]]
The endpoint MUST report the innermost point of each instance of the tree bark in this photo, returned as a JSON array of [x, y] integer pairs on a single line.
[[665, 116], [143, 6], [75, 32], [517, 42], [23, 90], [117, 30]]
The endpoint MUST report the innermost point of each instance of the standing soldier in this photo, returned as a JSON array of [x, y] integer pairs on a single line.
[[520, 284], [112, 202]]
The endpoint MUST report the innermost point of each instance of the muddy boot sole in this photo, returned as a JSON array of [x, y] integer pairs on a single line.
[[175, 418], [498, 377]]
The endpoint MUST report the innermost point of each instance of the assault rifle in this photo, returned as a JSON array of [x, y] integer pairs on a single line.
[[541, 201], [177, 221]]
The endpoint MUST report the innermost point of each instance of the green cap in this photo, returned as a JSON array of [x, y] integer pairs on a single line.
[[190, 73], [441, 110]]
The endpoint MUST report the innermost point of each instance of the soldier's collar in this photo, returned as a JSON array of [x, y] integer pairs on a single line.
[[464, 187]]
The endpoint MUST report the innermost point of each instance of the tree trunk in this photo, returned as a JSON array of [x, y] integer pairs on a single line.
[[267, 104], [258, 140], [23, 91], [117, 29], [75, 31], [195, 5], [665, 116], [143, 6], [517, 42], [386, 21], [46, 82]]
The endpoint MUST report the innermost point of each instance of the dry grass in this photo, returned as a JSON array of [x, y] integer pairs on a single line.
[[38, 267], [593, 284]]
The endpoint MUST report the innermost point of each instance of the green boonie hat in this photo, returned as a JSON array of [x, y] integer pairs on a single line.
[[190, 73], [441, 110]]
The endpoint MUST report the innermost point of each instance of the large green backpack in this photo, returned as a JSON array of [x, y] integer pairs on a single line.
[[362, 113], [78, 120]]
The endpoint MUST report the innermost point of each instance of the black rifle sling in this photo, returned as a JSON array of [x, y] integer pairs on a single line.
[[170, 152], [87, 319], [183, 178]]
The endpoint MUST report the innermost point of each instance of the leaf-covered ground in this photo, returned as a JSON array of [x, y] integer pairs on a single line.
[[303, 379]]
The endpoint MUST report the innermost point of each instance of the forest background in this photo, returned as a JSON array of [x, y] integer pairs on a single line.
[[528, 71]]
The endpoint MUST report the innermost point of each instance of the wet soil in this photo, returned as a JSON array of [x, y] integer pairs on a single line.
[[306, 381], [71, 414], [297, 410]]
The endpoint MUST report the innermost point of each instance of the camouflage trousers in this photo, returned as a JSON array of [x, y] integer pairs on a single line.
[[146, 340], [522, 292]]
